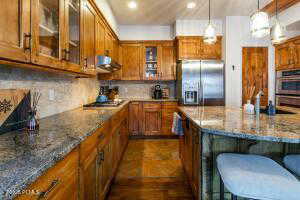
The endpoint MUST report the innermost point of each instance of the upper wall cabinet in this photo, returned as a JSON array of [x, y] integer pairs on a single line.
[[71, 49], [151, 59], [15, 30], [47, 32], [288, 54], [131, 61], [193, 47]]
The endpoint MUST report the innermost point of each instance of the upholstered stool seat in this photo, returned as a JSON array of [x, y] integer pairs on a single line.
[[292, 162], [257, 177]]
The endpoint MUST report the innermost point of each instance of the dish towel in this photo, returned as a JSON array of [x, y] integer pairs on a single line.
[[177, 128]]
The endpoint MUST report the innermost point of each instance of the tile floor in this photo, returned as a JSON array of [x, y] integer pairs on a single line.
[[151, 170]]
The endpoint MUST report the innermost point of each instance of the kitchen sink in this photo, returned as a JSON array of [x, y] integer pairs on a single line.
[[278, 112]]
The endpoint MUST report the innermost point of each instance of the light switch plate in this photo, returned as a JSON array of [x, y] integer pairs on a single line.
[[51, 95]]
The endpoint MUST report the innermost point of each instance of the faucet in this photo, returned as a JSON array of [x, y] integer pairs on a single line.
[[257, 104]]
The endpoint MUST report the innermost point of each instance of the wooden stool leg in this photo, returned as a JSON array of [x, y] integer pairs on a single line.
[[233, 197], [221, 189]]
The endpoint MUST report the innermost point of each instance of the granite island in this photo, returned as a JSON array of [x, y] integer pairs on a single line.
[[226, 129]]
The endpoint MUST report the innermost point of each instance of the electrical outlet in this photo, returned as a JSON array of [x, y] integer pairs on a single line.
[[51, 95]]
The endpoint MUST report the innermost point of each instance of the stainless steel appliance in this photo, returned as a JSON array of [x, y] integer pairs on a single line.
[[200, 82], [288, 88], [105, 64], [157, 93]]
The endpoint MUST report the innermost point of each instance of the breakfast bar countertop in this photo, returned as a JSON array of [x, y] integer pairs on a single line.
[[21, 164], [233, 122]]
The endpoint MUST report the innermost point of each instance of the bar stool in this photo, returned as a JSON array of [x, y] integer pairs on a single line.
[[256, 177], [292, 162]]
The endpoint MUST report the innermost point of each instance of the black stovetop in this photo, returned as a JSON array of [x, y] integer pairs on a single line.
[[105, 104]]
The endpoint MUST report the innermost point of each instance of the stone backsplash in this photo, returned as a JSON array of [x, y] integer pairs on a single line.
[[139, 89], [59, 92]]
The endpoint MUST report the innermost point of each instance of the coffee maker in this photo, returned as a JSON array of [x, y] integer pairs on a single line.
[[157, 93]]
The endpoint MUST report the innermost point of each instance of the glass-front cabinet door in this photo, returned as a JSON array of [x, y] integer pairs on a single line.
[[15, 34], [47, 27], [71, 52], [151, 59]]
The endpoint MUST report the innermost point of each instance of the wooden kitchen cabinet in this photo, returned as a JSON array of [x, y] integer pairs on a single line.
[[188, 48], [48, 37], [168, 63], [193, 47], [59, 182], [89, 36], [151, 118], [15, 34], [190, 153], [71, 49], [151, 61], [287, 54], [135, 109], [168, 110], [131, 61]]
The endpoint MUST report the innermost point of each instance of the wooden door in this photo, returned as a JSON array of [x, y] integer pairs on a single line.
[[47, 32], [131, 61], [89, 172], [15, 34], [211, 51], [135, 118], [168, 110], [71, 50], [255, 73], [168, 63], [89, 36], [188, 48], [152, 116]]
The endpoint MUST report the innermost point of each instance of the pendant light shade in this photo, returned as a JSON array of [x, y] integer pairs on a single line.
[[277, 31], [210, 36], [260, 24]]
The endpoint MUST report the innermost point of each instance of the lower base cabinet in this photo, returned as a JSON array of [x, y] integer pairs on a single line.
[[59, 182], [88, 171], [151, 118], [190, 148]]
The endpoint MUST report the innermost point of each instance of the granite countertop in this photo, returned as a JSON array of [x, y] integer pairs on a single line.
[[233, 122], [59, 134]]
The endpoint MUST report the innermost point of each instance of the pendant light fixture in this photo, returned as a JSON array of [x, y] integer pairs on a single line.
[[277, 31], [210, 31], [260, 25]]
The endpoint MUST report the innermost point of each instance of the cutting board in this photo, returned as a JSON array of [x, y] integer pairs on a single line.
[[14, 107]]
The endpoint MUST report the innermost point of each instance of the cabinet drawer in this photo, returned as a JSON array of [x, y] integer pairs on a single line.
[[151, 105], [59, 182], [169, 105]]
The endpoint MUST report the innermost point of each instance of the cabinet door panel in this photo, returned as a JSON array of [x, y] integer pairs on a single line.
[[131, 61], [211, 51], [134, 118], [89, 36], [152, 119], [168, 64], [47, 32], [188, 49], [15, 34]]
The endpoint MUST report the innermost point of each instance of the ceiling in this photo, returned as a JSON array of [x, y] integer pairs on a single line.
[[165, 12]]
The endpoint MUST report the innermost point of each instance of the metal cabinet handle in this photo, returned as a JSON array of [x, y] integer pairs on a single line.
[[51, 187], [27, 41]]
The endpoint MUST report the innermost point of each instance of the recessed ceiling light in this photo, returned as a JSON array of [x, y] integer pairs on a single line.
[[191, 5], [132, 5]]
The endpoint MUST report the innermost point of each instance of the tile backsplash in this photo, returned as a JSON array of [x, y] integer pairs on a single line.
[[139, 89], [59, 92]]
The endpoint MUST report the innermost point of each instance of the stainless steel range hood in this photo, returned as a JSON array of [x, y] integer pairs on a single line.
[[105, 64]]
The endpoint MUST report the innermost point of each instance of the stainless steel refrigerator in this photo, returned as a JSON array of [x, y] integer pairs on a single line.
[[201, 82]]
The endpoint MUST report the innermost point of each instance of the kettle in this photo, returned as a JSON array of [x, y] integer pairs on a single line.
[[102, 97]]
